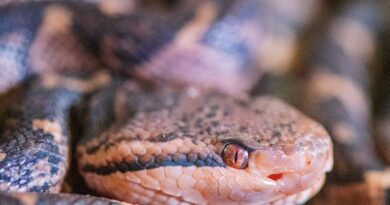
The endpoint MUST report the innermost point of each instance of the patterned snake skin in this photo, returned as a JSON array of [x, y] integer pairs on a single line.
[[159, 127], [156, 101]]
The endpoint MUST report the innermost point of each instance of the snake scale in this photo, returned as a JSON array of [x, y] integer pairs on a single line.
[[160, 99]]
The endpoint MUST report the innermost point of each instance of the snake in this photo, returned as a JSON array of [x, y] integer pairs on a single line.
[[159, 94]]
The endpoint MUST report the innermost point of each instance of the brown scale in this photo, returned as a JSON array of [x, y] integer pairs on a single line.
[[56, 36], [200, 117]]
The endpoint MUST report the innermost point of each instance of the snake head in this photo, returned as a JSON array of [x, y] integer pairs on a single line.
[[281, 154], [209, 149]]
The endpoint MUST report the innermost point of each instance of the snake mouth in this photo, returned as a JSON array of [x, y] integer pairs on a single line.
[[294, 170], [275, 176]]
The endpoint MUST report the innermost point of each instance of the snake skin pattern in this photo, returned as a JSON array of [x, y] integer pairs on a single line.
[[155, 95], [65, 199], [153, 133]]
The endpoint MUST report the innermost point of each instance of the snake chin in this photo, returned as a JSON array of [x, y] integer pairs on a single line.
[[302, 196]]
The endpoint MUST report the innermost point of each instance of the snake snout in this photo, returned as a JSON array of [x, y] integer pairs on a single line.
[[295, 167]]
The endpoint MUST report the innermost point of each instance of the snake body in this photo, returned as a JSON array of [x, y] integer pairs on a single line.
[[338, 72], [47, 198], [345, 111], [168, 118]]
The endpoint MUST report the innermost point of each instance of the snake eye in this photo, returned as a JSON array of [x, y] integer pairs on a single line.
[[235, 156]]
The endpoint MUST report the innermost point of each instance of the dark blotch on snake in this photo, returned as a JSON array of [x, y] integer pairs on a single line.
[[191, 159]]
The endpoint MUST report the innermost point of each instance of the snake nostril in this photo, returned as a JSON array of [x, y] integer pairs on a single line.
[[276, 176]]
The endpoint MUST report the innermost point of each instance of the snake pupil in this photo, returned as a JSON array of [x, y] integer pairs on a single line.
[[236, 157]]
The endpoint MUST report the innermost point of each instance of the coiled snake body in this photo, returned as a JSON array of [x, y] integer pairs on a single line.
[[166, 117]]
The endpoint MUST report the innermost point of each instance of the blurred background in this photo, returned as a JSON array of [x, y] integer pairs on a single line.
[[331, 60]]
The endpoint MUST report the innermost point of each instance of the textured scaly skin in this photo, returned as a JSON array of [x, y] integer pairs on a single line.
[[189, 125], [63, 199], [166, 144]]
